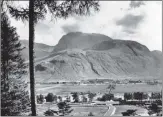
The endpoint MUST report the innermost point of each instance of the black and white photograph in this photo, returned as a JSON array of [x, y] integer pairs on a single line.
[[81, 58]]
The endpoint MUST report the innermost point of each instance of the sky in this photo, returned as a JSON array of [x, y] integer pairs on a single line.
[[139, 21]]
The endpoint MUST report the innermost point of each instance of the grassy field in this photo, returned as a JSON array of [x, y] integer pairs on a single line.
[[123, 108], [60, 89], [78, 110], [41, 108], [84, 111]]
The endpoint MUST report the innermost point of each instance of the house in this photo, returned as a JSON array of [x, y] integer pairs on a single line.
[[119, 95]]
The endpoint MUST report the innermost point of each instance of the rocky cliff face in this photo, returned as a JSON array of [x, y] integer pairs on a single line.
[[74, 59]]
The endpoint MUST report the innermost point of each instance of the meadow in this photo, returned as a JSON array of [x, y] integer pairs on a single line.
[[64, 89], [84, 111], [123, 108]]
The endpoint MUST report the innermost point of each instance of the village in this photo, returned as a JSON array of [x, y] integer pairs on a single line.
[[150, 102]]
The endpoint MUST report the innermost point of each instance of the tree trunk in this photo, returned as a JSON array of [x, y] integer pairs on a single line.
[[31, 57]]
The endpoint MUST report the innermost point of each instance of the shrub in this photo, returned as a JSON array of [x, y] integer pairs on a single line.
[[158, 102], [138, 95], [49, 97], [91, 96], [129, 112], [90, 114], [40, 99], [128, 96], [64, 108], [153, 108], [156, 96], [50, 112], [39, 67], [75, 96], [84, 99], [117, 99], [106, 97]]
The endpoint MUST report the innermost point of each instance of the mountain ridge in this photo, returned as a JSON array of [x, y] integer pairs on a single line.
[[107, 58]]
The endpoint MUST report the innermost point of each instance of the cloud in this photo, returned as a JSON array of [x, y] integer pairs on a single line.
[[70, 28], [130, 20], [129, 31], [42, 28], [141, 23], [136, 4]]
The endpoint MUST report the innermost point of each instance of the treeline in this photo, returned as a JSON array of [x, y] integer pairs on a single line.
[[141, 96], [74, 97]]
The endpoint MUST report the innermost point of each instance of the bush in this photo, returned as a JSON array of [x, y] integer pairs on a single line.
[[117, 99], [60, 98], [154, 108], [49, 97], [39, 67], [75, 97], [40, 99], [50, 112], [90, 114], [138, 95], [122, 102], [129, 113], [158, 102], [106, 97], [91, 96], [64, 108], [128, 96], [156, 96]]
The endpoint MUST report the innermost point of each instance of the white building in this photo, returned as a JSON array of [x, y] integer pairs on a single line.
[[119, 95]]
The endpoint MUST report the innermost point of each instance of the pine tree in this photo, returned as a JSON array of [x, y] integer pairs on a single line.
[[14, 97], [36, 11]]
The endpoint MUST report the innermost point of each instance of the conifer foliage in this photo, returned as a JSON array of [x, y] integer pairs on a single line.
[[14, 96]]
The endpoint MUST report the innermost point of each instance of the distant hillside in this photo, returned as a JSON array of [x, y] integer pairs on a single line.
[[41, 50], [80, 56]]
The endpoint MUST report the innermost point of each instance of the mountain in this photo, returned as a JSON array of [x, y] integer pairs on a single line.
[[80, 56], [78, 40], [41, 50]]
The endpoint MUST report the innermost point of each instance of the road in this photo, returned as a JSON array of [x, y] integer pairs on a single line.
[[110, 111]]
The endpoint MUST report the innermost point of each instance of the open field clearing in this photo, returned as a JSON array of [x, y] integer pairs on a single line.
[[78, 110], [41, 108], [84, 110], [60, 89], [123, 108]]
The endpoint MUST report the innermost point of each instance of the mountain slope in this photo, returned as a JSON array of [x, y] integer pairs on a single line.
[[41, 50], [111, 59]]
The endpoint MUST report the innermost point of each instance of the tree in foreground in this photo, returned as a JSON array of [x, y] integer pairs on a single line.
[[37, 10], [14, 97]]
